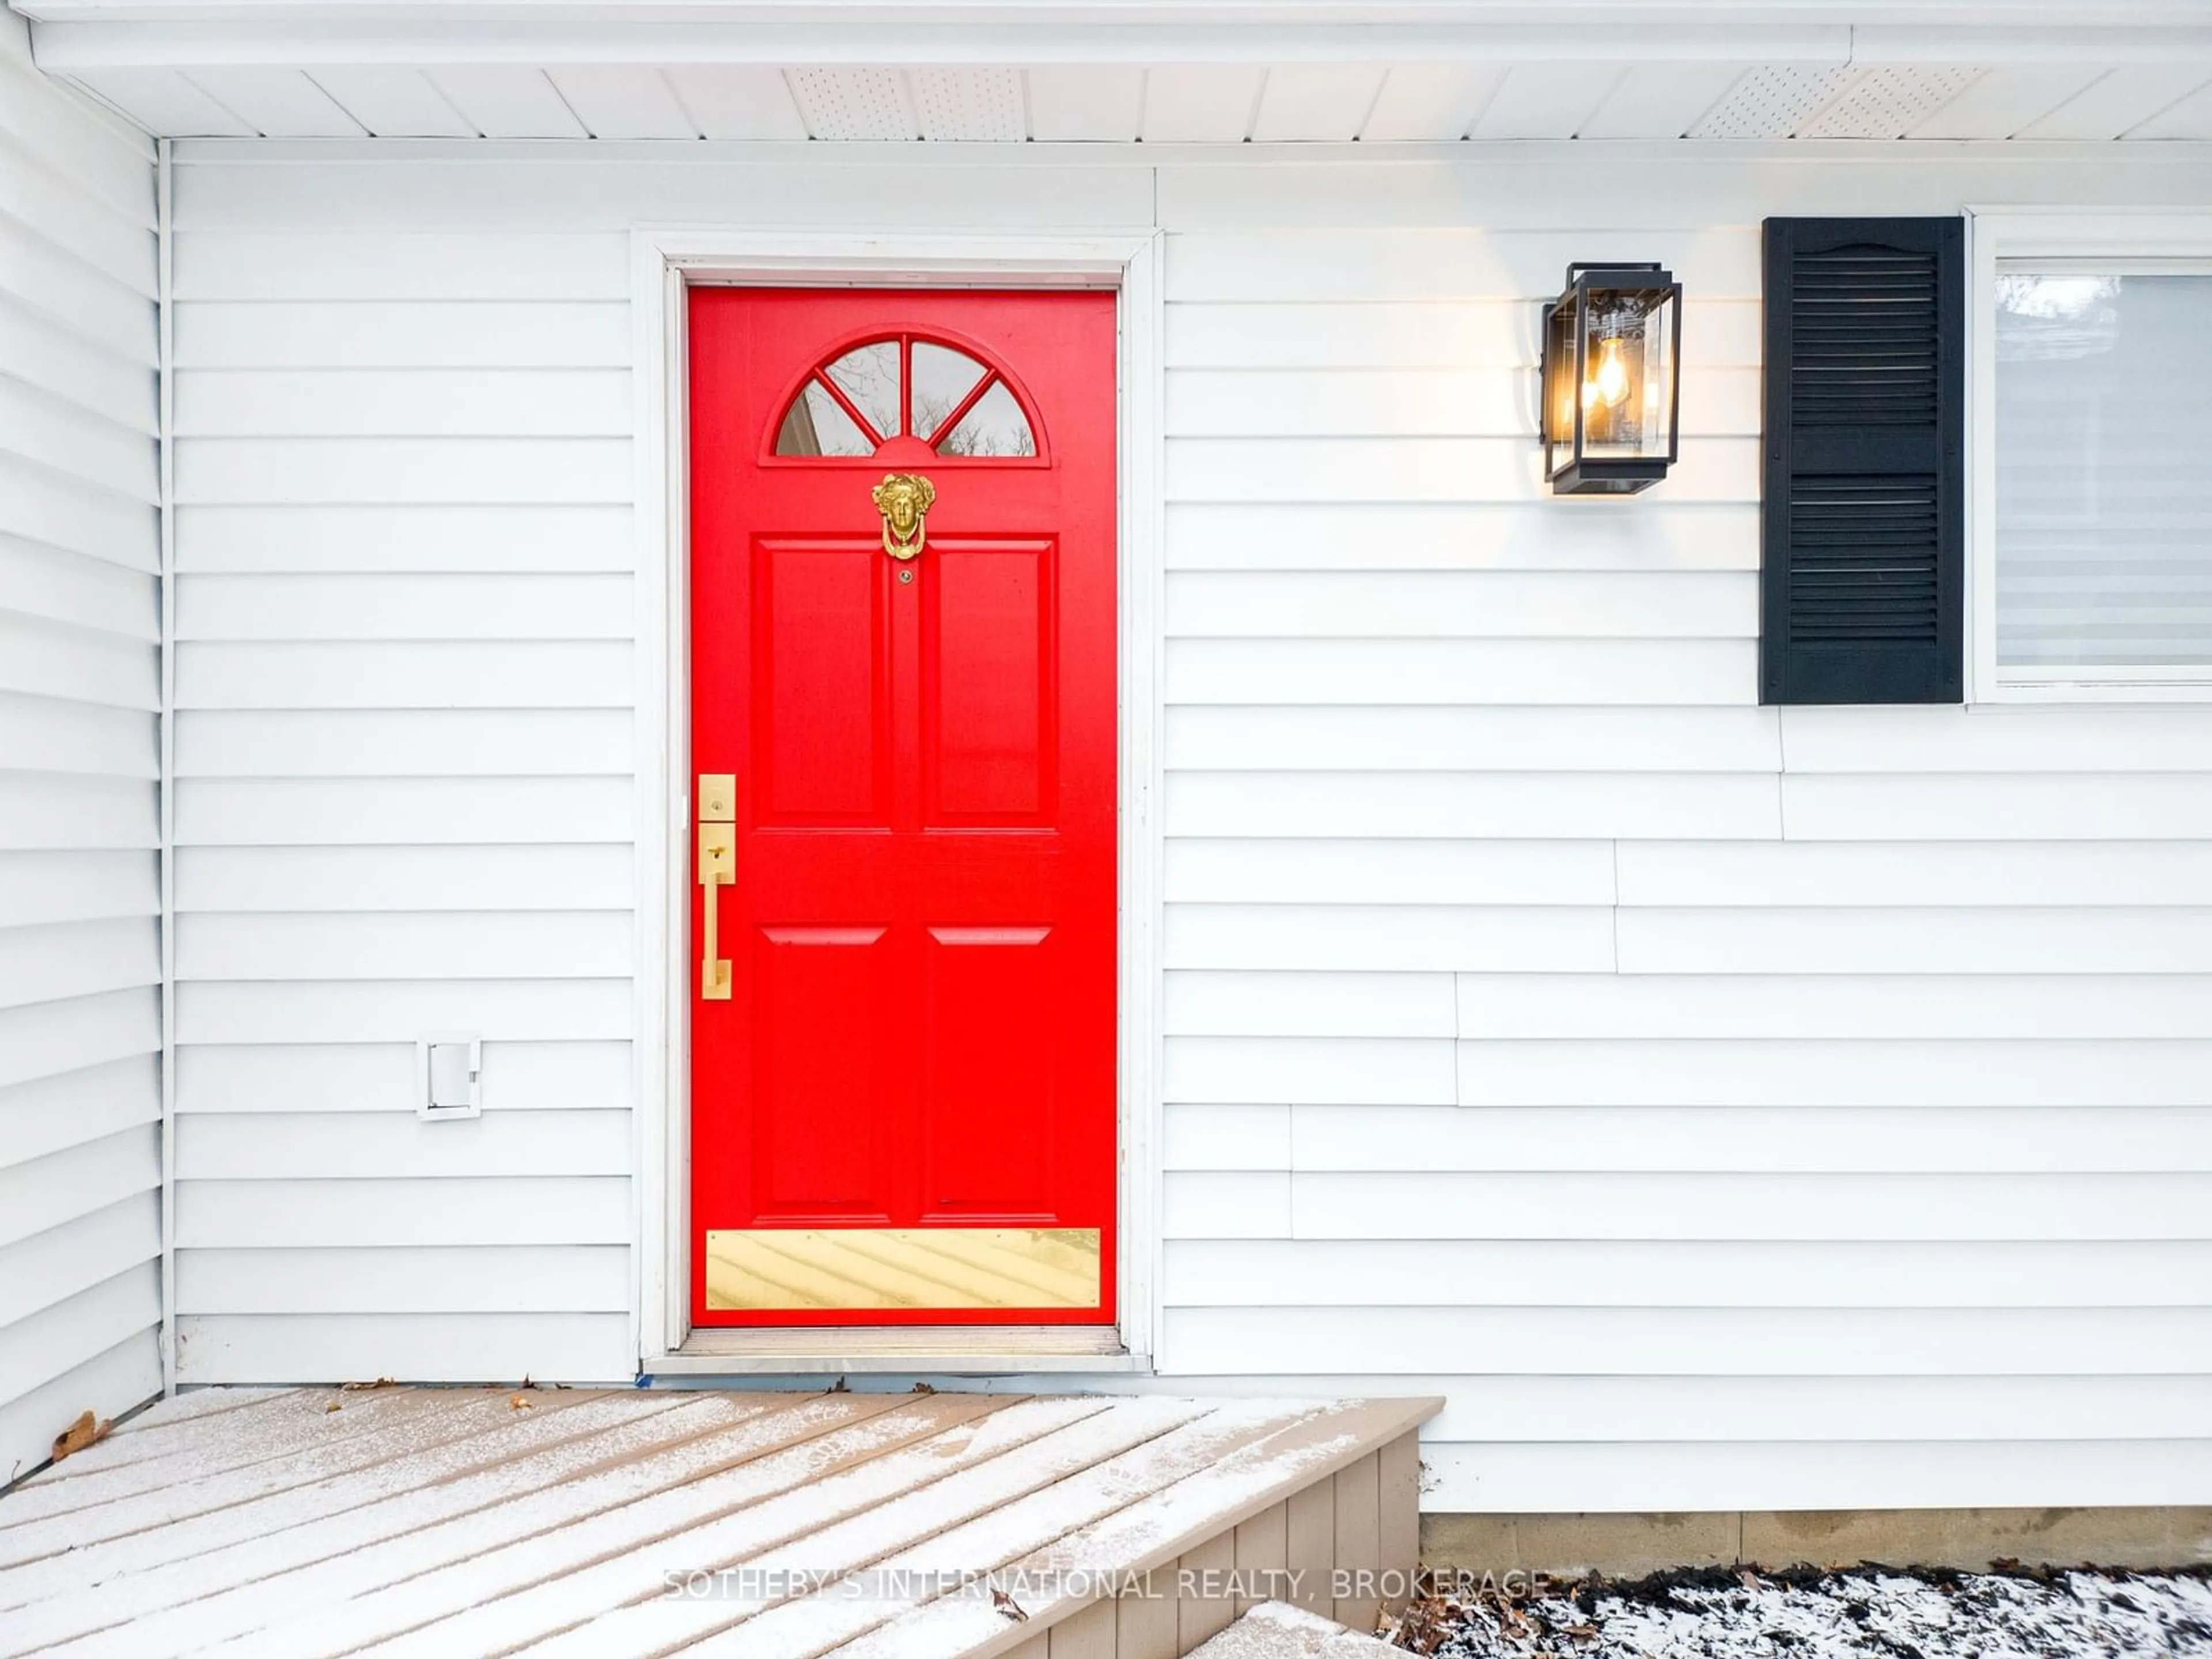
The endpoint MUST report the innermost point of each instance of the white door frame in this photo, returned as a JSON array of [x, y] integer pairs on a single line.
[[663, 262]]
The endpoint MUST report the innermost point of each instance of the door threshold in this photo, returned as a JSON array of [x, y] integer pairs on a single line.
[[963, 1350]]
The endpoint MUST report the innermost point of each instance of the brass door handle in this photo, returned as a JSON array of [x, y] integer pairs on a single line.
[[718, 867]]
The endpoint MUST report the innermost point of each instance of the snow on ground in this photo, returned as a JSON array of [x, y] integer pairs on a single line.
[[1738, 1613]]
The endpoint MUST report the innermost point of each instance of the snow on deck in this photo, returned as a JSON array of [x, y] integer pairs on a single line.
[[309, 1523]]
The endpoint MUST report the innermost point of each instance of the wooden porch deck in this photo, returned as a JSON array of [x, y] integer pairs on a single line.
[[306, 1522]]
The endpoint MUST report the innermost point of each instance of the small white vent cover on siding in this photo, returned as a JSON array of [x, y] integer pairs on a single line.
[[1771, 102], [1888, 102], [853, 104], [980, 104]]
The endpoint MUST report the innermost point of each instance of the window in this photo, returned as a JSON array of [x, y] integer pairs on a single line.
[[2092, 525], [871, 394]]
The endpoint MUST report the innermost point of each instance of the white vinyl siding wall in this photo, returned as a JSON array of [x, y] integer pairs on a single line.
[[405, 701], [1723, 1108], [80, 833], [407, 698]]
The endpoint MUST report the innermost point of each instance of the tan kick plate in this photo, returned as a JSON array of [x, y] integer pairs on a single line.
[[778, 1267]]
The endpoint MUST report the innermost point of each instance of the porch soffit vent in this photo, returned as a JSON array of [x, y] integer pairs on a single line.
[[1888, 102], [1794, 101], [1771, 102], [854, 104], [975, 105]]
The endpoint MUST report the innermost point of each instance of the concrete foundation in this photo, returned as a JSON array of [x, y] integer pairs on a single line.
[[1626, 1546]]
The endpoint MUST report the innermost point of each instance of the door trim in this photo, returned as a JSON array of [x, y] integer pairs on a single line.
[[664, 262]]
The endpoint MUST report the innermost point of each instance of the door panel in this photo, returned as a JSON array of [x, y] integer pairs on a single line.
[[822, 1063], [823, 740], [987, 686], [990, 1093], [904, 1111]]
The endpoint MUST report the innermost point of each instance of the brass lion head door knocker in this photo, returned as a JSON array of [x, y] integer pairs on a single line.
[[904, 498]]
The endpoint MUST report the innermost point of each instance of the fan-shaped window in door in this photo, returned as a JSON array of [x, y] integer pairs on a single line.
[[943, 398]]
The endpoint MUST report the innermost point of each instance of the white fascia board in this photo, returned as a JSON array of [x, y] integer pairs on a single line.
[[1532, 154], [1988, 48], [97, 35], [71, 42], [1584, 13]]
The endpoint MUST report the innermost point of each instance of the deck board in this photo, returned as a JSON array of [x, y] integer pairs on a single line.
[[483, 1428], [835, 1534], [518, 1590], [317, 1562], [1134, 1495], [219, 1445], [152, 1432], [415, 1523], [1191, 1501]]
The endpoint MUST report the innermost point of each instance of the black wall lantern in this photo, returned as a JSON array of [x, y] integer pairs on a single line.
[[1611, 380]]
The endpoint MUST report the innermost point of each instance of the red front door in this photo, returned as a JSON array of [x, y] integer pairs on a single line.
[[902, 741]]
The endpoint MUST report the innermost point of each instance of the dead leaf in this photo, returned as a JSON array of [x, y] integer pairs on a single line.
[[839, 1386], [923, 1387], [363, 1388], [522, 1402], [87, 1430], [1006, 1604], [335, 1404]]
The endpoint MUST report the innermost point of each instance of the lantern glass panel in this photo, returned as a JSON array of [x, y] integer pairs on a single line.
[[1559, 386], [1628, 376]]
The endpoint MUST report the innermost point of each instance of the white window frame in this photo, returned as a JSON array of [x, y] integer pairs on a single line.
[[2129, 241], [664, 262]]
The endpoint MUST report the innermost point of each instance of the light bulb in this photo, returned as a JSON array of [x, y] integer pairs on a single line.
[[1610, 383]]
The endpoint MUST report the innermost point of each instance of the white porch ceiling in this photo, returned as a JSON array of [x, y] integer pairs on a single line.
[[1265, 72]]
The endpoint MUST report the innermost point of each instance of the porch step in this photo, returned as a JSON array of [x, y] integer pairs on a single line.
[[604, 1523], [1275, 1630]]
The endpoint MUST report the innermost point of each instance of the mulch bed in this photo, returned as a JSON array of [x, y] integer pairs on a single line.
[[1808, 1612]]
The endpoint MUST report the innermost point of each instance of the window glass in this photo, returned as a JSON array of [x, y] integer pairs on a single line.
[[942, 377], [815, 425], [995, 426], [2104, 527], [958, 405], [869, 375]]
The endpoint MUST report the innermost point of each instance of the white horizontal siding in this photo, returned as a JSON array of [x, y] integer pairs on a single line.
[[1508, 1410], [404, 754], [1342, 870], [1650, 1273], [1501, 604], [80, 689], [494, 1279], [308, 1344], [1309, 338], [1907, 1470], [1721, 1106], [545, 1008], [1887, 1006], [384, 402], [1452, 738], [1545, 1014], [1471, 536], [405, 878], [1682, 1341], [1756, 1140], [377, 536], [404, 748]]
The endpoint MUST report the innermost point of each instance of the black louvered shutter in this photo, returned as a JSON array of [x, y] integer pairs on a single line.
[[1863, 548]]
